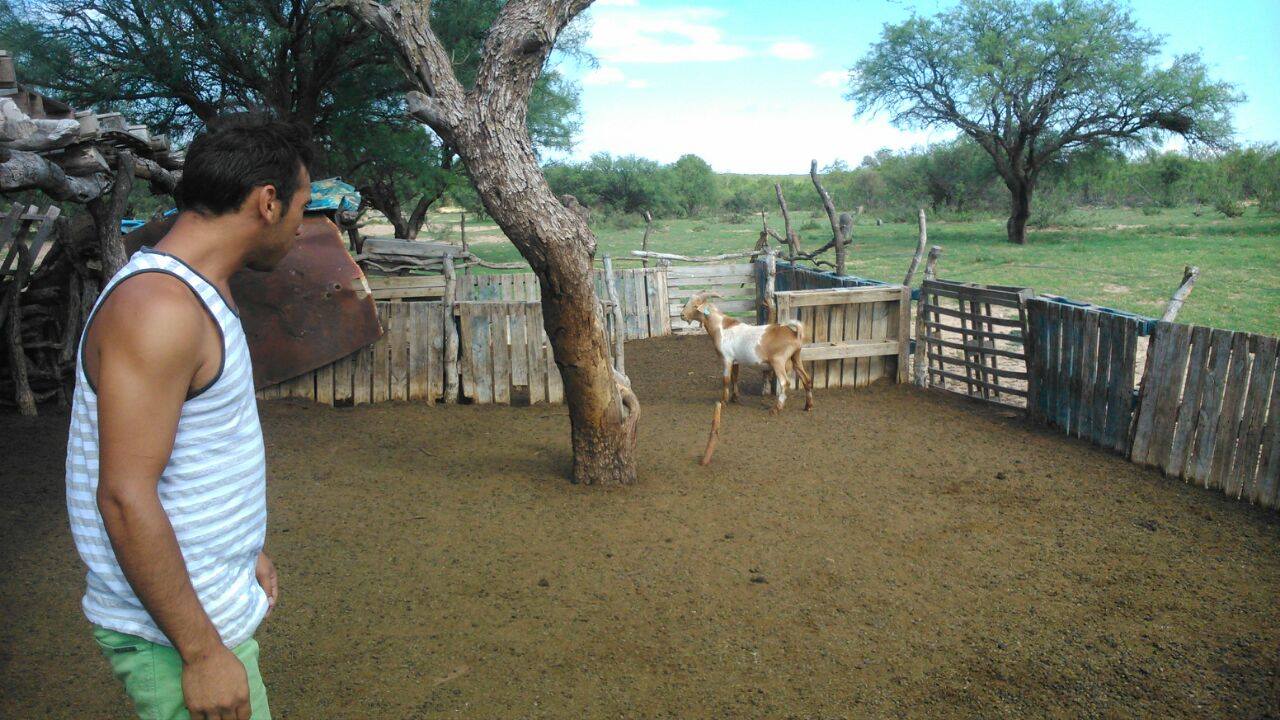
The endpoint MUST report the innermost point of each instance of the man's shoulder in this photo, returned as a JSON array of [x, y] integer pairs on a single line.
[[151, 307]]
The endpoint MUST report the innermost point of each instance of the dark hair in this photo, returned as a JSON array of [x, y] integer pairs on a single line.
[[238, 153]]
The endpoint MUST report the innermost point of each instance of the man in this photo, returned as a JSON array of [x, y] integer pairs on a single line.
[[166, 478]]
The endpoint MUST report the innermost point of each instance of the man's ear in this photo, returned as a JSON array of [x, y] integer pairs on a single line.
[[270, 209]]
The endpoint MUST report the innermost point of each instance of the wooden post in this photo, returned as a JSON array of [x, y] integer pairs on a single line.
[[713, 436], [619, 330], [1189, 275], [450, 332], [644, 244], [770, 284], [915, 260], [922, 330], [466, 270], [793, 242]]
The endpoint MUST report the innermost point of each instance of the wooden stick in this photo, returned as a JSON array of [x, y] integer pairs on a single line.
[[715, 435], [619, 329], [450, 333], [915, 259], [840, 237], [1189, 275], [692, 258], [644, 244], [922, 320], [792, 240], [770, 285]]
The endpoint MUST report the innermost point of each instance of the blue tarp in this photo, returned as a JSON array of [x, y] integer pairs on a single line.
[[328, 195]]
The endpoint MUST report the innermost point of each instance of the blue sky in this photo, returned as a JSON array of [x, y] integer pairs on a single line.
[[755, 86]]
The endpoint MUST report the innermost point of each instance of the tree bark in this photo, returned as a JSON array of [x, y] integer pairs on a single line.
[[487, 127], [107, 214], [1020, 194]]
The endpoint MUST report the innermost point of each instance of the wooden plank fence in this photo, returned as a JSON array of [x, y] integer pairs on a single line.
[[736, 283], [974, 339], [1082, 370], [853, 336], [1209, 411], [1207, 407]]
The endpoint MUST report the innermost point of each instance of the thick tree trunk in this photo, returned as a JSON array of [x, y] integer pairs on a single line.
[[559, 247], [1020, 194], [486, 125]]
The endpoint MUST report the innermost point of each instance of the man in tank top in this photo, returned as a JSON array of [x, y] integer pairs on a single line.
[[166, 475]]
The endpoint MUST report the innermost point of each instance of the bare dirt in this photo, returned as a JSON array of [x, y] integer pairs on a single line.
[[893, 553]]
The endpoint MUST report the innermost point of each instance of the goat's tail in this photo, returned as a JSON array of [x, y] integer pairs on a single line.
[[797, 327]]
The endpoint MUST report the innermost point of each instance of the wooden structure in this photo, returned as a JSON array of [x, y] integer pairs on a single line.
[[1082, 370], [853, 336], [736, 284], [974, 339], [1209, 411]]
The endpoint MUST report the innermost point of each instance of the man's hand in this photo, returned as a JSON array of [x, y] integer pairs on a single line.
[[265, 571], [216, 686]]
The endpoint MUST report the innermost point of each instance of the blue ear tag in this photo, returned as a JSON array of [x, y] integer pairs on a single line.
[[704, 311]]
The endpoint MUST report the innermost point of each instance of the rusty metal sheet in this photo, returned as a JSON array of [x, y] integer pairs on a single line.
[[312, 309]]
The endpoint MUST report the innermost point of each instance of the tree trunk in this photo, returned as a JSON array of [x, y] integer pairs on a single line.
[[559, 247], [487, 127], [107, 214], [1020, 193]]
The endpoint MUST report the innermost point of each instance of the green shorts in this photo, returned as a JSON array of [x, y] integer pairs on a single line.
[[152, 675]]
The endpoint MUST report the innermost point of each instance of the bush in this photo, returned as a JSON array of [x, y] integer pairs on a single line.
[[1229, 207]]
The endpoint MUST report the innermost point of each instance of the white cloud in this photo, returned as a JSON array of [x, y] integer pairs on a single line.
[[614, 3], [728, 137], [603, 75], [831, 78], [791, 50], [628, 33]]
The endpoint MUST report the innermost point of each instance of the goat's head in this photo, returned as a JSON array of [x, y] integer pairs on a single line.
[[694, 307]]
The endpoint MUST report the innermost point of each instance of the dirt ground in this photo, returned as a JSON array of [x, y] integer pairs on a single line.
[[893, 553]]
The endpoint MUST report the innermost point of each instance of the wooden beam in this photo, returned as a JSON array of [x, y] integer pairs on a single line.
[[1189, 275]]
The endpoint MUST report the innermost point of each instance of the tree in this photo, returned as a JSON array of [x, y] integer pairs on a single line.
[[486, 121], [694, 183], [1032, 81], [325, 71]]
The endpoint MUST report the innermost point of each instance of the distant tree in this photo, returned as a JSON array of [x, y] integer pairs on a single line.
[[694, 184], [1031, 81]]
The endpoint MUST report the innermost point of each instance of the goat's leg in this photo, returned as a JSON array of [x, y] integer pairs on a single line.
[[733, 384], [779, 368], [804, 378], [726, 379]]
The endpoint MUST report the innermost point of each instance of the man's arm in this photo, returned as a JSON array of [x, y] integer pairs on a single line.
[[148, 345]]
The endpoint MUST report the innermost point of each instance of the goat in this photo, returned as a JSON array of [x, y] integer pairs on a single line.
[[772, 347]]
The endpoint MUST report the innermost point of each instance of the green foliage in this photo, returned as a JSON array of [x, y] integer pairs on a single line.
[[1032, 81], [694, 184]]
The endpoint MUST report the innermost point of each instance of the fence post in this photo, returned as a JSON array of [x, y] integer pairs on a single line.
[[619, 330], [922, 330], [450, 332], [770, 275]]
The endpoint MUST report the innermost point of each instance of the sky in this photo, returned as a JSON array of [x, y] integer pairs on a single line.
[[756, 86]]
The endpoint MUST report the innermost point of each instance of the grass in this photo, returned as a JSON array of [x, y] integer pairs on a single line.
[[1119, 258]]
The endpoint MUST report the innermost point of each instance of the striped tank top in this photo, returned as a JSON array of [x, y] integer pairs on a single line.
[[213, 488]]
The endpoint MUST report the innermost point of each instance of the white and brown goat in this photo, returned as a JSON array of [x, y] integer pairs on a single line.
[[775, 347]]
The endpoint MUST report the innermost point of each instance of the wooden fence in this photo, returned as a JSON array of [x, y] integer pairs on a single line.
[[1209, 411], [970, 338], [406, 363], [735, 283], [1208, 405], [1082, 370], [502, 356], [641, 293], [854, 336]]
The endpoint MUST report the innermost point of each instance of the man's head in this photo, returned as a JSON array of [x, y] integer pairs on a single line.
[[254, 171]]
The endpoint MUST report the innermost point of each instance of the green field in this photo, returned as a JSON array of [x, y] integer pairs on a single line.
[[1124, 259]]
